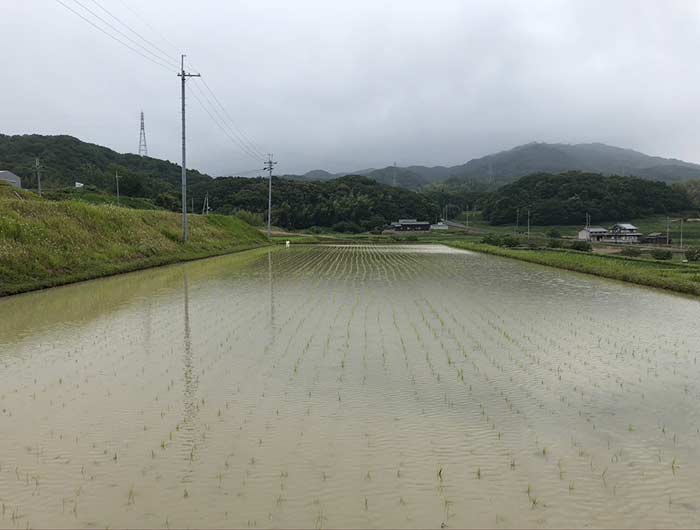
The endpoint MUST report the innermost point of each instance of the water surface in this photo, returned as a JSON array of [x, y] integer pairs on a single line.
[[350, 386]]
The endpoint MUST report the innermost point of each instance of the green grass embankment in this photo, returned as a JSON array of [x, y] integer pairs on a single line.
[[44, 243], [682, 278]]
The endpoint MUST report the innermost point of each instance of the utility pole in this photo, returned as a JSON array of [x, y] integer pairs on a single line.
[[528, 223], [394, 179], [205, 205], [517, 221], [143, 149], [269, 164], [183, 77], [467, 216], [116, 178], [681, 233], [668, 228], [38, 175]]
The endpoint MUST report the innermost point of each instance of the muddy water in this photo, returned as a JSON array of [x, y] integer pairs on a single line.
[[350, 387]]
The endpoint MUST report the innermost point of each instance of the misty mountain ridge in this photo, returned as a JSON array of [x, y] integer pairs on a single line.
[[535, 157]]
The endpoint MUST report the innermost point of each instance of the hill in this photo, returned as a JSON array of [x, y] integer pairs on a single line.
[[66, 159], [349, 204], [566, 198], [506, 166], [557, 158], [45, 243]]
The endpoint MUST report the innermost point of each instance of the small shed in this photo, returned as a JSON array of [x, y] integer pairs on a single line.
[[9, 176], [656, 238]]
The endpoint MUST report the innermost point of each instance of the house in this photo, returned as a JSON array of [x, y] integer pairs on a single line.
[[656, 238], [8, 176], [593, 233], [410, 225], [440, 226], [624, 233]]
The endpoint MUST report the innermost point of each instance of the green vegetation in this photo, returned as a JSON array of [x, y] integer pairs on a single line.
[[673, 276], [93, 196], [567, 198], [44, 243], [349, 204], [66, 159]]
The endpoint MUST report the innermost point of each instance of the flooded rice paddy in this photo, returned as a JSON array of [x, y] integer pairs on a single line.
[[350, 386]]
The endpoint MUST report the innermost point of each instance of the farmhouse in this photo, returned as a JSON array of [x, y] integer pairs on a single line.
[[619, 233], [8, 176], [624, 233], [410, 225]]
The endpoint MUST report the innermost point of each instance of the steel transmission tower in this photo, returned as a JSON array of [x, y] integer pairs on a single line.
[[143, 148]]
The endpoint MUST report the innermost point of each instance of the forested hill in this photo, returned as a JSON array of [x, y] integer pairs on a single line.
[[566, 198], [507, 166], [535, 157], [66, 159], [348, 204]]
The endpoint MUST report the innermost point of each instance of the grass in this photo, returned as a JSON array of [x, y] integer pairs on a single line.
[[45, 243], [96, 197], [682, 278]]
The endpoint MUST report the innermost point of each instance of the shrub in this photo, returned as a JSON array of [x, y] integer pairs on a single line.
[[491, 239], [632, 252], [347, 227], [553, 233], [661, 254], [554, 243], [510, 242], [252, 218], [581, 246], [693, 254]]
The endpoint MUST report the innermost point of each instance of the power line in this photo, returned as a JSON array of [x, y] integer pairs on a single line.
[[221, 123], [142, 19], [241, 132], [136, 43], [164, 53], [158, 63], [226, 119]]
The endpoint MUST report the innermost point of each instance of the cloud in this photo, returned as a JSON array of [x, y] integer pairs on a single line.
[[347, 85]]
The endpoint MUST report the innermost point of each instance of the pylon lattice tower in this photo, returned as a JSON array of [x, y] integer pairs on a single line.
[[143, 148]]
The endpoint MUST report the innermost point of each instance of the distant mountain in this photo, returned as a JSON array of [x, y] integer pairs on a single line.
[[538, 157], [506, 166]]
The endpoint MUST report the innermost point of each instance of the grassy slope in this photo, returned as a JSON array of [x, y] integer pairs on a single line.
[[664, 275], [43, 243]]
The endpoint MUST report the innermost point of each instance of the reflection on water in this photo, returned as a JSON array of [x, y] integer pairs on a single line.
[[349, 386]]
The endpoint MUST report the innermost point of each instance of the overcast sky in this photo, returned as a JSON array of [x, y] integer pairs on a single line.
[[345, 85]]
